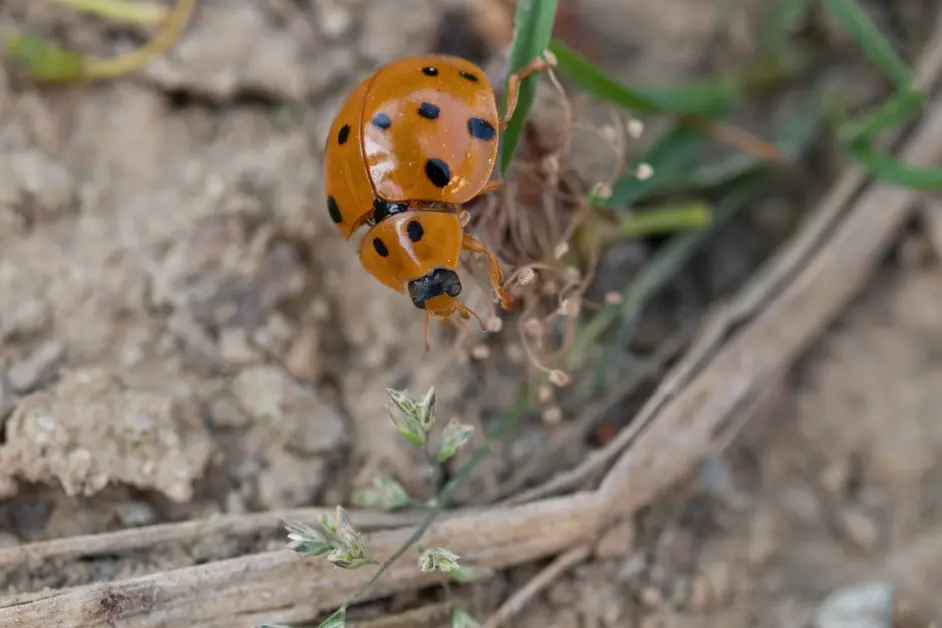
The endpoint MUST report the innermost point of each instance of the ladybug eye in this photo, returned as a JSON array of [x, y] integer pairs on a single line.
[[429, 111], [430, 71], [468, 75]]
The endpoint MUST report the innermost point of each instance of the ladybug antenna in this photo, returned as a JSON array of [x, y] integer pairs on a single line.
[[428, 317], [465, 311]]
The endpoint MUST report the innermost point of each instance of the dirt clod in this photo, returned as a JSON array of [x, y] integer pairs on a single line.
[[90, 430]]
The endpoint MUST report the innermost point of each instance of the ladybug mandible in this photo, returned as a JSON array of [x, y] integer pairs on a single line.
[[412, 142]]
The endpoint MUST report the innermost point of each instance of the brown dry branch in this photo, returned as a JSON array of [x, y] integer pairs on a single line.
[[188, 532], [430, 615], [791, 303], [562, 564], [282, 586]]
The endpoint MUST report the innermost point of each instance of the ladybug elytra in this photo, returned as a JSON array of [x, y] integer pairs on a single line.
[[412, 142]]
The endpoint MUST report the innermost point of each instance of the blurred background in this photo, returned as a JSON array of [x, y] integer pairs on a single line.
[[184, 335]]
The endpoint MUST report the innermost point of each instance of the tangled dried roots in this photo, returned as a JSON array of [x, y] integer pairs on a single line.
[[532, 222]]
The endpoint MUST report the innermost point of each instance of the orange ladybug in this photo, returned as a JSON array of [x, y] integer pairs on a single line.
[[412, 142]]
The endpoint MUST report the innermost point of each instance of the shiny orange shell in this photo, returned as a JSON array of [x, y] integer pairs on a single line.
[[409, 245], [418, 129]]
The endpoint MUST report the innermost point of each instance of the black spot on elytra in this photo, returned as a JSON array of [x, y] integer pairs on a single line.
[[428, 110], [430, 71], [333, 210], [437, 172], [381, 121], [481, 129], [343, 134], [415, 230], [381, 249], [468, 75]]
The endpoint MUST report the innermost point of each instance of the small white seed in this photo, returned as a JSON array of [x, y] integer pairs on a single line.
[[644, 172]]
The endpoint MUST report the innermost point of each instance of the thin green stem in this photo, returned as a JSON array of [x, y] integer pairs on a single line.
[[445, 496]]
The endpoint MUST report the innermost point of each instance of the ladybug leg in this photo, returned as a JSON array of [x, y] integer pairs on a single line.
[[497, 275], [491, 186], [513, 83]]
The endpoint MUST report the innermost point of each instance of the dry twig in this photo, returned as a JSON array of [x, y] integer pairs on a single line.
[[515, 603]]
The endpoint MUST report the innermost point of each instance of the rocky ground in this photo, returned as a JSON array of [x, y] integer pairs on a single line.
[[183, 332]]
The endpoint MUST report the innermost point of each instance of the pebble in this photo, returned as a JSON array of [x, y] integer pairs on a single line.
[[859, 528], [335, 21], [27, 374], [226, 413], [26, 319], [864, 605], [235, 347], [133, 514], [8, 539]]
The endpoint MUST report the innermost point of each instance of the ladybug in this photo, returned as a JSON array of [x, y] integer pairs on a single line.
[[411, 143]]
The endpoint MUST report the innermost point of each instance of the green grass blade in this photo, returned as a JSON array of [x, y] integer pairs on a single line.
[[533, 30], [891, 113], [650, 221], [852, 16], [794, 130], [590, 78], [139, 12], [889, 168], [44, 59], [668, 260], [703, 98], [781, 22]]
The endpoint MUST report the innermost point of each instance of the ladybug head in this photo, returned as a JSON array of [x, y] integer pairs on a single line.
[[436, 292]]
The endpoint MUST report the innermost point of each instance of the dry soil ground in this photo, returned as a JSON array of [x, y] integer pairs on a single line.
[[183, 333]]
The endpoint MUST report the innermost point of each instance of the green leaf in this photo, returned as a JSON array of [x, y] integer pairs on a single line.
[[533, 29], [337, 620], [461, 619], [44, 59], [453, 437], [306, 540], [405, 413], [470, 573], [439, 558], [386, 494], [425, 410], [852, 16]]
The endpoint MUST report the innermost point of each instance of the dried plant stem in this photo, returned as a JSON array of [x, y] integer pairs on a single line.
[[138, 13], [515, 603], [174, 23]]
